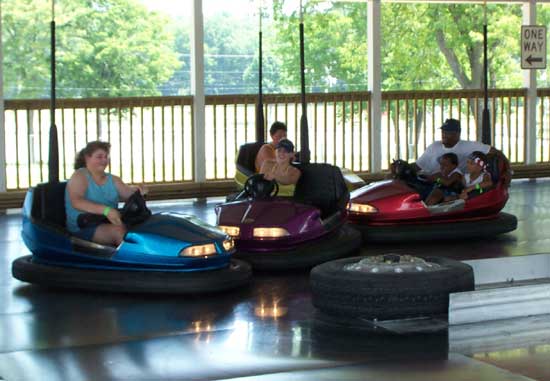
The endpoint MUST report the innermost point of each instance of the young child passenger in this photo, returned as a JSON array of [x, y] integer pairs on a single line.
[[477, 179], [447, 182]]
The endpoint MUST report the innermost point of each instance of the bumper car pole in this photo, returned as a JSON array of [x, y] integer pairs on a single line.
[[260, 123], [486, 121], [304, 133], [53, 156]]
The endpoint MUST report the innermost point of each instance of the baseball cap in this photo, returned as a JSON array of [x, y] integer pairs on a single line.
[[451, 125], [285, 144]]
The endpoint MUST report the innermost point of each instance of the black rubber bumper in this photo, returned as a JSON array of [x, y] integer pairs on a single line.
[[344, 242], [503, 223], [238, 273]]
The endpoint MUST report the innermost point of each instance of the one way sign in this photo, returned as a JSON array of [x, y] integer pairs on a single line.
[[533, 47]]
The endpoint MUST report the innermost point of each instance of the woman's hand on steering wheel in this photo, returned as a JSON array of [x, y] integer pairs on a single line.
[[142, 188], [114, 217]]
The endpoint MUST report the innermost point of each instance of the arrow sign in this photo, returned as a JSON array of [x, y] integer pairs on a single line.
[[532, 59], [533, 47]]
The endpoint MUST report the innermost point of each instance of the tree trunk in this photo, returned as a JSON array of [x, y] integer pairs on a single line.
[[417, 129], [476, 70]]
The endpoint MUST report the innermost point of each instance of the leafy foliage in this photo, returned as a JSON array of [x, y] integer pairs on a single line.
[[119, 48], [229, 49], [104, 48], [335, 46], [424, 46]]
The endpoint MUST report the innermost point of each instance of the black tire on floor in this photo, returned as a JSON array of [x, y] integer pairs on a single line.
[[343, 242], [385, 296], [503, 223], [238, 273]]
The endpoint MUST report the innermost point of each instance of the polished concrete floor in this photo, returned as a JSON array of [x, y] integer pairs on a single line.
[[268, 330]]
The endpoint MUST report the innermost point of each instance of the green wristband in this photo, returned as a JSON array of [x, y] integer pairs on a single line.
[[106, 211]]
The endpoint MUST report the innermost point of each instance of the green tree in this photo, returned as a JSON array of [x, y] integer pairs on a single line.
[[25, 38], [231, 65], [230, 47], [424, 46], [458, 31], [335, 46], [104, 48], [180, 81], [543, 18], [409, 53]]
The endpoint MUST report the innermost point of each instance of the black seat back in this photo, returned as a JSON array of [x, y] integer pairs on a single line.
[[494, 167], [48, 203], [246, 158], [323, 186]]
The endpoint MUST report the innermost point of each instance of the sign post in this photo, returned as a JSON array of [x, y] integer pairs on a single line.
[[533, 47]]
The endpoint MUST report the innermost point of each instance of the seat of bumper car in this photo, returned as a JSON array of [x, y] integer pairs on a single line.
[[48, 204], [323, 186], [495, 167], [246, 158]]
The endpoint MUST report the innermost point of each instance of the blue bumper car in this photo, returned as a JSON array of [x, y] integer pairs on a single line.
[[161, 253]]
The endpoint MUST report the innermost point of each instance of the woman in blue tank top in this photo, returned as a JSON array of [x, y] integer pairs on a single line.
[[92, 190]]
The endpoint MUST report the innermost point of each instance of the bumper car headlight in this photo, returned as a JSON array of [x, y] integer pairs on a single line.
[[198, 250], [228, 244], [270, 232], [362, 208], [232, 231]]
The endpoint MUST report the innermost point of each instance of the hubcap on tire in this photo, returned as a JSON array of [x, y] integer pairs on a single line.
[[392, 263]]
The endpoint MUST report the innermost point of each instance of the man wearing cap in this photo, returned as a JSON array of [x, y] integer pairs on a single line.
[[281, 169], [428, 162]]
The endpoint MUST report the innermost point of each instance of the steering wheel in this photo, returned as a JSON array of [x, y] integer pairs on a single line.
[[402, 170], [406, 172], [257, 187], [133, 212]]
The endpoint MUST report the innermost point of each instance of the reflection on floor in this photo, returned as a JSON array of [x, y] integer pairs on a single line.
[[269, 330]]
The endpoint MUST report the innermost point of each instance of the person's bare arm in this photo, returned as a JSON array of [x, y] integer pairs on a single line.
[[453, 179], [76, 188], [487, 181], [265, 153], [124, 190], [291, 176], [266, 168], [433, 178]]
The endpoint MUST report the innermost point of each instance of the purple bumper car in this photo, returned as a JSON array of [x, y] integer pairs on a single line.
[[276, 233]]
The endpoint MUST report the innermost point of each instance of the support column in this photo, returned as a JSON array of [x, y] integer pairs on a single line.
[[2, 126], [197, 89], [374, 77], [530, 82]]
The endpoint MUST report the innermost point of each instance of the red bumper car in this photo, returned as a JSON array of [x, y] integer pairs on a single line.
[[393, 210]]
